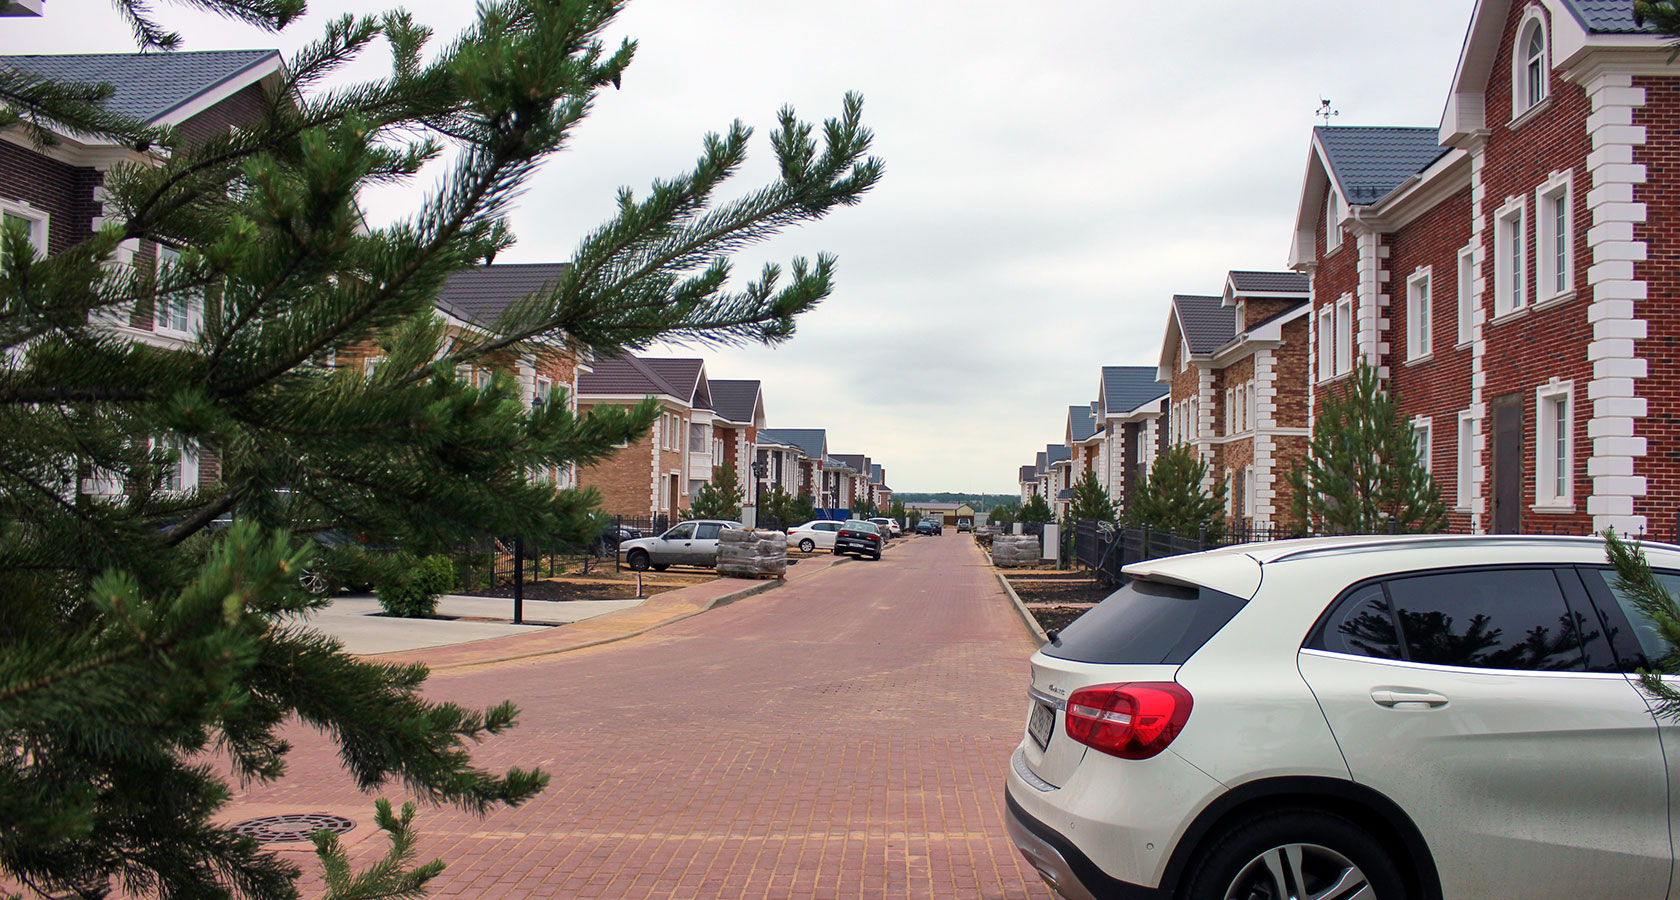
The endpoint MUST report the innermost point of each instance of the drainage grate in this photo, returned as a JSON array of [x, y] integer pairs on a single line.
[[296, 827]]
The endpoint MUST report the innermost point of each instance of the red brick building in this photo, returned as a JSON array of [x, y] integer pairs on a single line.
[[659, 474], [1510, 272]]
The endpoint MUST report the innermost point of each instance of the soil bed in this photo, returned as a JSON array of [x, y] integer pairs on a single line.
[[1055, 618], [609, 586], [1060, 591]]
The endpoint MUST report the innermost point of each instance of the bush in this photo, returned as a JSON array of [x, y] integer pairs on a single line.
[[410, 587]]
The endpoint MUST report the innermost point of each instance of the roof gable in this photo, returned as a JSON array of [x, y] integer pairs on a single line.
[[1125, 388], [1028, 473], [157, 88], [687, 376], [813, 442], [1206, 322], [479, 295], [1368, 162], [740, 402], [1262, 284], [1081, 424]]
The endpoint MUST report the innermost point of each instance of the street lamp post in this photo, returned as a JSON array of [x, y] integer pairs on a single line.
[[758, 470]]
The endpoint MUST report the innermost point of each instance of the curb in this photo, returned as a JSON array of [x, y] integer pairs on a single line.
[[1021, 608]]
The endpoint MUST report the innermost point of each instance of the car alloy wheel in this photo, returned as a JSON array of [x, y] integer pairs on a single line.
[[313, 582], [638, 560], [1299, 872], [807, 545], [1296, 854]]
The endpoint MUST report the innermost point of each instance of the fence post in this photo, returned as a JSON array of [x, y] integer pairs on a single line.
[[518, 581], [1201, 536]]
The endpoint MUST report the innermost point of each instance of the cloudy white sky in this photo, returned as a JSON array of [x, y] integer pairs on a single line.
[[1055, 172]]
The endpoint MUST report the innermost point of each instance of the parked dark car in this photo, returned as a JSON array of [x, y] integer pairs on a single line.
[[860, 537], [930, 526]]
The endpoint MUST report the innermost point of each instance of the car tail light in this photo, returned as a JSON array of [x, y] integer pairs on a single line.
[[1132, 720]]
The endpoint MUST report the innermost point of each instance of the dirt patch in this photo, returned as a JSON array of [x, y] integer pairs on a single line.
[[1060, 590], [1055, 618], [609, 586]]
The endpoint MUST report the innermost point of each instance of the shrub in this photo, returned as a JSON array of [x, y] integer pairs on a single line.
[[410, 587]]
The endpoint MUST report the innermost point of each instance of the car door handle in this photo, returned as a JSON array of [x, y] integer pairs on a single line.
[[1392, 698]]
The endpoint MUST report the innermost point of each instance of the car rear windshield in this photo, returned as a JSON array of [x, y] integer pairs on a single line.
[[1146, 623], [866, 527]]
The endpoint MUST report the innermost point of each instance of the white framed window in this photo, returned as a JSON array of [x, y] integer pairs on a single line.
[[179, 313], [1466, 457], [370, 364], [1554, 445], [1554, 237], [1332, 221], [35, 222], [544, 391], [1423, 436], [1253, 418], [1510, 274], [1231, 411], [1326, 342], [1249, 493], [180, 468], [1466, 294], [1344, 335], [1531, 64], [1183, 355], [1419, 325]]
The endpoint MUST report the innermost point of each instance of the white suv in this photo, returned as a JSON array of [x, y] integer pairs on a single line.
[[1402, 718]]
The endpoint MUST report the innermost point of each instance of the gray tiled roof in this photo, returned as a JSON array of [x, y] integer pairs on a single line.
[[480, 294], [1028, 473], [148, 85], [1126, 388], [1055, 453], [1081, 422], [1605, 16], [813, 442], [835, 463], [877, 475], [684, 375], [1207, 322], [1041, 465], [1269, 282], [735, 401], [625, 376], [1369, 162], [1064, 494], [857, 462]]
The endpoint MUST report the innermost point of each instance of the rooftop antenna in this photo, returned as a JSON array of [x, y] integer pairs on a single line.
[[1324, 110]]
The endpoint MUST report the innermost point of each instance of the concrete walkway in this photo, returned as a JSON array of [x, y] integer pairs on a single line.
[[354, 619]]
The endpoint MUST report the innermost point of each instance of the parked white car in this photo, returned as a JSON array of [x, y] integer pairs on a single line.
[[692, 543], [888, 525], [814, 535], [1382, 718]]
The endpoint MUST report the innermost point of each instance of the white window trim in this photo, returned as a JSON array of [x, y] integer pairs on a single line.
[[1559, 188], [1424, 427], [1420, 342], [1466, 458], [542, 389], [1344, 335], [1514, 210], [1326, 342], [1230, 410], [1466, 294], [369, 364], [1332, 220], [1522, 105], [194, 305], [188, 462], [40, 223], [1546, 497]]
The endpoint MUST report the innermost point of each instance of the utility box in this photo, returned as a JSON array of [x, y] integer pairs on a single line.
[[1052, 542]]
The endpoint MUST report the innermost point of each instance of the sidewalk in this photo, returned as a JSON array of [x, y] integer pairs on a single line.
[[354, 620], [654, 612]]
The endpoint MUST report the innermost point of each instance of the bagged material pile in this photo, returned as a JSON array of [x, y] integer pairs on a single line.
[[1012, 550], [748, 553]]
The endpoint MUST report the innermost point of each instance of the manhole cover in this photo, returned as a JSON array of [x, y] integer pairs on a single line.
[[296, 827]]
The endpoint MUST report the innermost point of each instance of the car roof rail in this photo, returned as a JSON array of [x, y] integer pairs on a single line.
[[1396, 542]]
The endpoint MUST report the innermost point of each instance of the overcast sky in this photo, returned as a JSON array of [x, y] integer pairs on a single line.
[[1055, 172]]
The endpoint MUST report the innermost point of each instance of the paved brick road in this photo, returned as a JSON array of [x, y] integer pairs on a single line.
[[841, 737]]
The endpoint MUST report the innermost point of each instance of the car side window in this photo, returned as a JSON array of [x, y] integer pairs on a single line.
[[1489, 619], [1651, 645], [708, 532], [682, 532], [1362, 625], [828, 526]]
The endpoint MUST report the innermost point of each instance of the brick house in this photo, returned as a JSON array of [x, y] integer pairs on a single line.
[[737, 416], [781, 458], [1058, 487], [810, 476], [1029, 483], [1503, 271], [56, 192], [1237, 366], [1083, 439], [1129, 406], [659, 474], [860, 469], [879, 493]]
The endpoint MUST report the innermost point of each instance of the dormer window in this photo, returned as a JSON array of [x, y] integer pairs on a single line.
[[1531, 75]]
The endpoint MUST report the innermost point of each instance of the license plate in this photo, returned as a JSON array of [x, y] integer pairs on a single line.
[[1041, 723]]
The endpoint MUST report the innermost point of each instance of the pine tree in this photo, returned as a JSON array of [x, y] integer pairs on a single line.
[[719, 498], [1002, 516], [1363, 473], [899, 514], [1636, 581], [1035, 511], [1176, 497], [862, 508], [1090, 501], [134, 639]]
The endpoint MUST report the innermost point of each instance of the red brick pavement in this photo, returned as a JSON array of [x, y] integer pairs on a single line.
[[844, 736]]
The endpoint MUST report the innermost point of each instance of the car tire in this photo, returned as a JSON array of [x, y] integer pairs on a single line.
[[638, 560], [1314, 848], [660, 567], [876, 557], [807, 545]]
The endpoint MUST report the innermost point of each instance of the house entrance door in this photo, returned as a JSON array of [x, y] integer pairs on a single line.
[[1507, 464]]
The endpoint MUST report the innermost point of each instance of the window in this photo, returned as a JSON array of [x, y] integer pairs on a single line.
[[708, 531], [1253, 407], [180, 466], [1553, 446], [1422, 436], [1231, 411], [31, 220], [1249, 493], [1344, 335], [1488, 619], [1466, 294], [544, 391], [1332, 221], [683, 532], [179, 312], [369, 364], [1466, 457], [1533, 71], [1146, 623], [1510, 293], [1418, 339], [1554, 238], [1326, 342], [1361, 625], [1651, 642]]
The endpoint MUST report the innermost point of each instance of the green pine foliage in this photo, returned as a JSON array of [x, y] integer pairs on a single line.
[[862, 508], [1090, 501], [899, 514], [719, 498], [1177, 497], [1363, 473], [1636, 581], [1003, 516], [1663, 17], [394, 877], [135, 637], [1035, 510]]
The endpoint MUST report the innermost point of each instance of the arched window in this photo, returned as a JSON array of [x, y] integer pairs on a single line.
[[1533, 71]]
